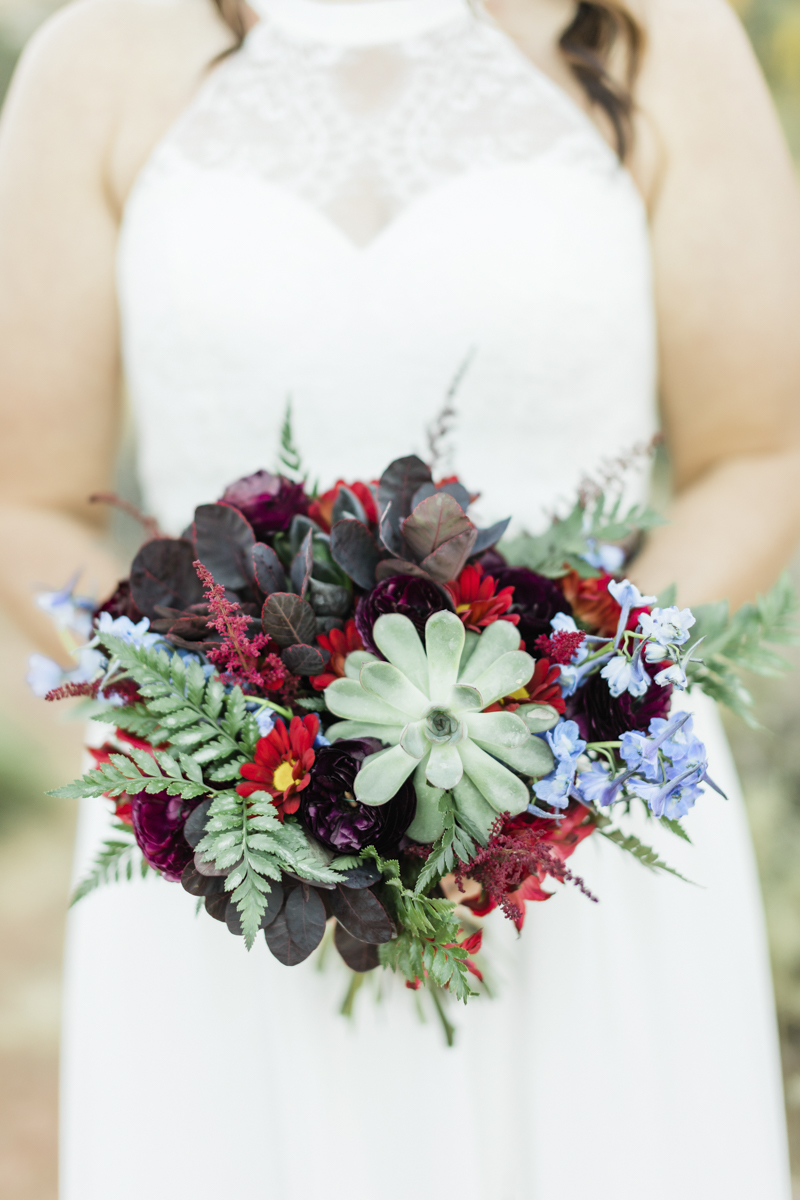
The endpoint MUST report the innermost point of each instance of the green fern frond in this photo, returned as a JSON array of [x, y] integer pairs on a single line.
[[116, 859], [289, 461]]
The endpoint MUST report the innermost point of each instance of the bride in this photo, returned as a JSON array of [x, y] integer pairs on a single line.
[[343, 199]]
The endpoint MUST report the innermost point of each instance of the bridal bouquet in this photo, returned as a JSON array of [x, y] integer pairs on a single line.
[[353, 711]]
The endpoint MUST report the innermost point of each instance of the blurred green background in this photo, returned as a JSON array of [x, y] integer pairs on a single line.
[[39, 748]]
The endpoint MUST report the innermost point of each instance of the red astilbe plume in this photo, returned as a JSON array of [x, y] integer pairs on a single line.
[[68, 690], [339, 643], [239, 655], [522, 851], [561, 646], [473, 595], [283, 760], [542, 688]]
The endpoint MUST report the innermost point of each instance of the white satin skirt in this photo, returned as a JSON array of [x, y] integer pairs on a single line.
[[630, 1052]]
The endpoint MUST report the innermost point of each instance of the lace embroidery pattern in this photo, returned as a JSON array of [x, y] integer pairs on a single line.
[[360, 133]]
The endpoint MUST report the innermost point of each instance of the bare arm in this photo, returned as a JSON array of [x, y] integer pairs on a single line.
[[93, 92], [726, 239]]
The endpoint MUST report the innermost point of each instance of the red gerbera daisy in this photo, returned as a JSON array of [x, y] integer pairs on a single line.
[[542, 688], [282, 764], [473, 595], [339, 643]]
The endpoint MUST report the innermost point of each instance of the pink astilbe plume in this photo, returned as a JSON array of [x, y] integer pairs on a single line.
[[68, 690], [520, 854], [561, 646], [238, 656]]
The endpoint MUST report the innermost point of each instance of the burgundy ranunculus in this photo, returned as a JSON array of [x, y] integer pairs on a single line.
[[536, 600], [267, 501], [158, 822], [415, 598], [602, 718], [329, 811]]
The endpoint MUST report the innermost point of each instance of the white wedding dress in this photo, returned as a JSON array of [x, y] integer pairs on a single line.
[[361, 197]]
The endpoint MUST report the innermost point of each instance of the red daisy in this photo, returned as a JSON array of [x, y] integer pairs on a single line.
[[473, 595], [542, 688], [282, 764], [339, 643]]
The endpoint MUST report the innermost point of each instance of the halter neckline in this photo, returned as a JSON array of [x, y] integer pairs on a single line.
[[359, 22]]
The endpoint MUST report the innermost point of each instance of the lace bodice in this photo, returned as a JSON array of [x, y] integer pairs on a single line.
[[360, 198], [360, 131]]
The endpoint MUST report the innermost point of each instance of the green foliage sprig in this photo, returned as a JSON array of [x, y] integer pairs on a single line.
[[208, 729], [456, 844], [563, 547], [743, 642], [428, 942], [632, 845], [290, 462], [117, 858], [246, 836]]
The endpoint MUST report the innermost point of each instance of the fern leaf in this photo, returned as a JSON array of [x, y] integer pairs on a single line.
[[645, 854], [116, 858]]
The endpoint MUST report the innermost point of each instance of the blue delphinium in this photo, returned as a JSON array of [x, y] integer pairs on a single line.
[[567, 746]]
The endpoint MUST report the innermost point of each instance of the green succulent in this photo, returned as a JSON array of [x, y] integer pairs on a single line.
[[427, 703]]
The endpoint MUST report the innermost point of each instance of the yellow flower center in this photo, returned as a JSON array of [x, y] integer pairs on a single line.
[[283, 778]]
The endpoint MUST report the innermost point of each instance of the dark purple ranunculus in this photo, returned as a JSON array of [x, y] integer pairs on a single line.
[[415, 598], [329, 811], [602, 718], [158, 822], [536, 601], [267, 501]]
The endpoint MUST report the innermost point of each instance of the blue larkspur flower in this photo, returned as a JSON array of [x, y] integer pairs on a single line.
[[672, 799], [124, 629], [673, 676], [627, 596], [593, 784], [626, 675], [667, 626]]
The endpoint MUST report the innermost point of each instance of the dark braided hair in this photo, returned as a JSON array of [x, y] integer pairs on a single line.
[[587, 43]]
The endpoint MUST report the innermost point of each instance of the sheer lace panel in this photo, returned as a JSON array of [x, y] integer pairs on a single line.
[[360, 133]]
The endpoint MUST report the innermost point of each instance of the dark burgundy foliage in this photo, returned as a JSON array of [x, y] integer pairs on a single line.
[[298, 928], [329, 812], [355, 550], [162, 575], [267, 569], [120, 603], [359, 956], [158, 822], [267, 501], [536, 599], [602, 718], [361, 913], [224, 543], [414, 598]]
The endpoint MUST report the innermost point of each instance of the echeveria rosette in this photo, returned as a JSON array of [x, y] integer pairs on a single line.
[[427, 704]]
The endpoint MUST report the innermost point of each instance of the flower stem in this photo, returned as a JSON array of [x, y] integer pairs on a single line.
[[449, 1030], [347, 1004]]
